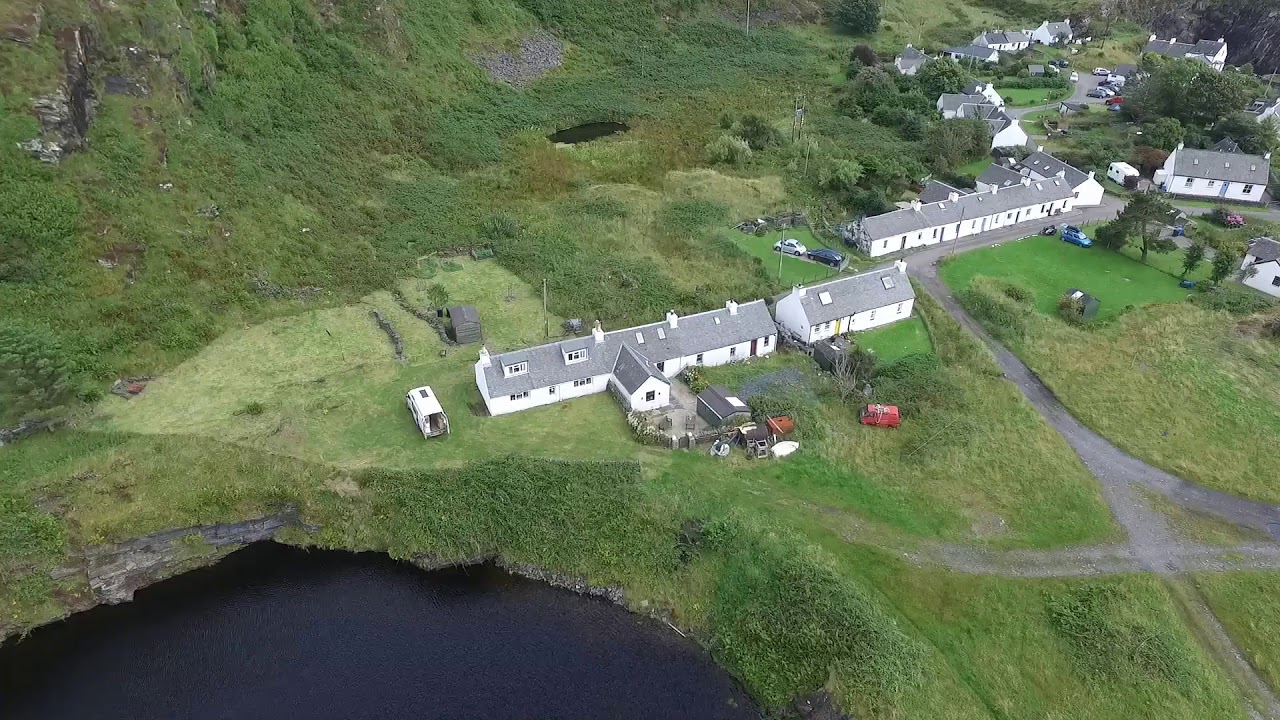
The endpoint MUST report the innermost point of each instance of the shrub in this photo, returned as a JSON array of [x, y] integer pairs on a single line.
[[1109, 639], [497, 228], [913, 383], [1071, 309], [1017, 291], [989, 300], [865, 55], [757, 131], [252, 408], [861, 17], [1237, 301], [1219, 214], [728, 150], [36, 369], [437, 295], [643, 431], [694, 378]]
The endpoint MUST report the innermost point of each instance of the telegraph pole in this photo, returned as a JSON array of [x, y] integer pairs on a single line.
[[748, 17], [546, 327]]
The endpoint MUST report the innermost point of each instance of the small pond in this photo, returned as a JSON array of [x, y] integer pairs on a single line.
[[277, 632], [589, 131]]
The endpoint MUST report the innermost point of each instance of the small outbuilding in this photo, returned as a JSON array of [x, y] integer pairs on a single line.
[[720, 407], [1088, 304], [830, 352], [464, 321]]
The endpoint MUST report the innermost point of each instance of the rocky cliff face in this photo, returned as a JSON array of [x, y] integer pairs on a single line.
[[1250, 27]]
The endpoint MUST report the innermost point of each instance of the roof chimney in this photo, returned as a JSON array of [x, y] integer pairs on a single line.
[[484, 357], [1173, 40], [1266, 156], [953, 196], [1180, 145], [732, 307], [1222, 39], [915, 204], [901, 265], [1090, 174], [673, 320], [995, 189], [1061, 173], [598, 333], [1026, 181], [800, 290]]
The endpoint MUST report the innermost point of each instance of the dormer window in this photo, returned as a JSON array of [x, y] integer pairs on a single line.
[[575, 356], [519, 368]]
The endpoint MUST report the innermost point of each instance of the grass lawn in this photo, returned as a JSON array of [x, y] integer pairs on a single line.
[[1246, 605], [891, 342], [1035, 121], [974, 168], [794, 270], [1049, 266], [1030, 97]]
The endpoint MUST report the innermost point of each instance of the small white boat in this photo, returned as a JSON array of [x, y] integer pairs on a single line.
[[785, 448]]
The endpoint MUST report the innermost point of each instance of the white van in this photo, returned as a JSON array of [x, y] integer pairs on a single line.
[[427, 413]]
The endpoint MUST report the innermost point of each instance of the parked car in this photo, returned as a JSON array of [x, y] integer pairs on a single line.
[[1115, 108], [1049, 230], [1075, 77], [1101, 71], [790, 246], [1060, 63], [885, 416], [1098, 93], [1076, 236], [827, 256], [1115, 100]]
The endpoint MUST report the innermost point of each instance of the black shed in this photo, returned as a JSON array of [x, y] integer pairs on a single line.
[[1088, 304], [718, 406], [829, 352], [465, 322]]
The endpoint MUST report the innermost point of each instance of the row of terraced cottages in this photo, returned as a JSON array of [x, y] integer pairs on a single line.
[[638, 363]]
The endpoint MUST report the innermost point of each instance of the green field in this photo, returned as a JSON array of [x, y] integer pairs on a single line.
[[1246, 604], [894, 341], [1031, 97], [794, 271]]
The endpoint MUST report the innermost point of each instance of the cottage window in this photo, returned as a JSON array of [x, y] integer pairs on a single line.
[[1188, 182], [1008, 216], [1248, 189], [1275, 281], [935, 232], [582, 383], [519, 368], [873, 315], [698, 360], [733, 352], [551, 390], [1213, 183], [519, 396], [649, 396], [576, 356], [767, 338], [662, 366], [900, 308]]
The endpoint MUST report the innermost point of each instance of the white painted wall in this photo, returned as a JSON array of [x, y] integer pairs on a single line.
[[503, 404], [1089, 192], [1203, 187], [862, 321], [661, 395], [969, 226], [1267, 278], [1012, 136]]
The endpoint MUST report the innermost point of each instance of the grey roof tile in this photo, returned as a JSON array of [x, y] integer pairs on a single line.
[[1264, 249], [1047, 166], [937, 191], [999, 175], [855, 294], [717, 397], [1232, 167], [633, 369], [909, 220]]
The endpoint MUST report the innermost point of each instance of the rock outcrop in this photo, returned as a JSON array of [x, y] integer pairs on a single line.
[[24, 28], [66, 113]]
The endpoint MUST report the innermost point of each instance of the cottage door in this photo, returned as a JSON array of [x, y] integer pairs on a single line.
[[1223, 191], [753, 347]]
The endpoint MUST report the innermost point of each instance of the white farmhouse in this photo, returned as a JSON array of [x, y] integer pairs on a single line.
[[910, 61], [1217, 175], [973, 53], [1003, 40], [986, 90], [849, 304], [1005, 130], [1052, 33], [1208, 51], [1264, 109], [1040, 165], [635, 364], [1262, 266], [959, 216]]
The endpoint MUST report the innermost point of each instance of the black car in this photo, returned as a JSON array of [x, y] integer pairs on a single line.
[[1060, 63], [1097, 94], [1049, 230], [826, 256]]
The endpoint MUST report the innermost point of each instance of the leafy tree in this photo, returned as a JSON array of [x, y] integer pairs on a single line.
[[1165, 133], [860, 17], [956, 142], [839, 175], [1148, 159], [865, 55], [942, 76], [1188, 90], [874, 87], [757, 131], [1113, 236], [1224, 263], [1253, 136], [911, 125], [36, 371], [729, 150], [1146, 215], [1192, 259]]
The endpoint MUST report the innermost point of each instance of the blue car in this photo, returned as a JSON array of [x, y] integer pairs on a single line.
[[1076, 236], [827, 257]]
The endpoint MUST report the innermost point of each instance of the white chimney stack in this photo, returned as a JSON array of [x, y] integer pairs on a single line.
[[485, 361], [800, 290], [673, 320], [597, 332], [1026, 181], [915, 204], [953, 197], [732, 307], [1091, 174], [901, 265], [1152, 38], [1266, 156], [995, 189]]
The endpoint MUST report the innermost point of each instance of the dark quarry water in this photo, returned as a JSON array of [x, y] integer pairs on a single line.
[[276, 632], [589, 131]]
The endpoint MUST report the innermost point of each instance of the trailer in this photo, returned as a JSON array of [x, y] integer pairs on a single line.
[[427, 413]]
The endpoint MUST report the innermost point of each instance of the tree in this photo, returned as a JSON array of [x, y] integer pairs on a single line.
[[1113, 236], [1146, 215], [1192, 259], [860, 17], [1165, 133], [942, 76], [1148, 159], [839, 175], [956, 142], [729, 150], [1189, 90], [757, 131], [1252, 136], [1222, 266], [865, 55], [874, 87]]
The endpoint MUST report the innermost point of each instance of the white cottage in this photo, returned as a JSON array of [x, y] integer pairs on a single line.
[[959, 216], [1040, 165], [1262, 266], [1003, 40], [1213, 174], [910, 60], [1210, 52], [636, 364], [848, 304], [1052, 33]]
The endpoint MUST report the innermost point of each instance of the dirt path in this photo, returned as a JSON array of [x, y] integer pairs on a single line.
[[1152, 545]]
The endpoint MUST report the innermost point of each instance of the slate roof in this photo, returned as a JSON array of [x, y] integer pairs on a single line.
[[1261, 105], [1232, 167], [1035, 69], [1225, 145], [1059, 29], [464, 314], [975, 51], [996, 118], [693, 334], [999, 175], [937, 191], [1168, 48], [969, 207], [633, 369], [717, 397], [1001, 37], [952, 102], [910, 53], [1264, 249], [855, 294], [1125, 70], [1046, 165]]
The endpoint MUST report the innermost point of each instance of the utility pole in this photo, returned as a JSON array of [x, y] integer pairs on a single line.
[[748, 17], [546, 327], [779, 264]]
